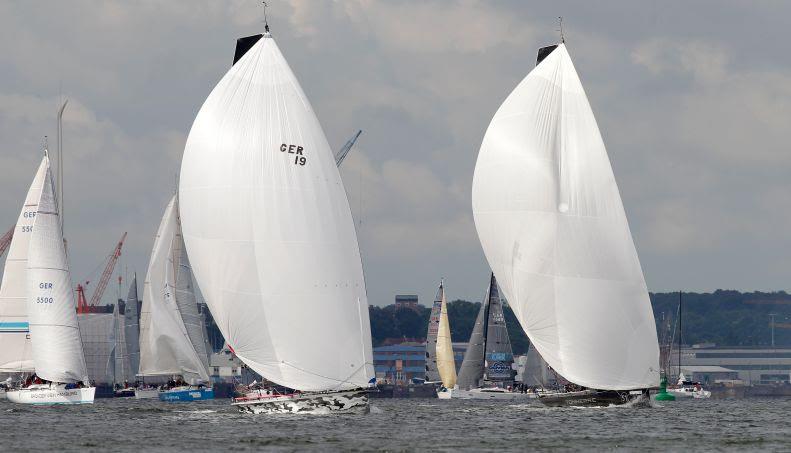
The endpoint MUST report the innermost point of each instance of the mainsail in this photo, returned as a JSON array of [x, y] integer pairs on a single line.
[[553, 228], [55, 335], [269, 231], [488, 356], [132, 327], [165, 346], [446, 361], [15, 349], [432, 373]]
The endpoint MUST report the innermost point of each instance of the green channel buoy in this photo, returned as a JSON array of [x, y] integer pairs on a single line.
[[662, 395]]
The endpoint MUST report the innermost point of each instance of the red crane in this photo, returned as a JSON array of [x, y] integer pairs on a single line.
[[82, 305], [5, 240]]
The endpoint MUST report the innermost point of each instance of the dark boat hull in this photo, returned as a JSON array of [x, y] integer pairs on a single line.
[[592, 398]]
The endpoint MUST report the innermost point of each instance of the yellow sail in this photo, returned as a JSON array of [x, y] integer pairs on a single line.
[[446, 364]]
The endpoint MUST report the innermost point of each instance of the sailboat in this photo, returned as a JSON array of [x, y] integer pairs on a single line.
[[130, 328], [553, 228], [444, 360], [15, 349], [272, 242], [487, 369], [171, 336], [61, 376], [685, 388]]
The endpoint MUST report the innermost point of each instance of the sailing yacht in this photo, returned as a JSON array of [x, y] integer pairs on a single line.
[[171, 333], [272, 242], [61, 376], [443, 360], [487, 369], [552, 226], [15, 349]]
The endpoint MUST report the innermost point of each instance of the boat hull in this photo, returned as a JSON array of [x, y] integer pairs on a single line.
[[483, 394], [187, 394], [593, 398], [353, 401], [145, 394], [52, 395], [683, 394]]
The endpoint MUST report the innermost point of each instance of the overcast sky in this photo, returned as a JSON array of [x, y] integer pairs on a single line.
[[693, 100]]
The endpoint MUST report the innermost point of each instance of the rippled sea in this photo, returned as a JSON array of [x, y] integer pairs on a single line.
[[125, 424]]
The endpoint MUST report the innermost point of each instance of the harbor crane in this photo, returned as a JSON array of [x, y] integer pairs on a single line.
[[82, 305], [5, 240]]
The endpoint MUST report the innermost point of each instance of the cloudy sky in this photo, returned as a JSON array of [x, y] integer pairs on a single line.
[[693, 100]]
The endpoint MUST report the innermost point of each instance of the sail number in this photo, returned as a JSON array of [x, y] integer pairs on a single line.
[[296, 150], [27, 228], [45, 300], [29, 214]]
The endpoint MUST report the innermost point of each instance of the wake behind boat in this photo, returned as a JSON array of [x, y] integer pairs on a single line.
[[553, 228], [271, 239]]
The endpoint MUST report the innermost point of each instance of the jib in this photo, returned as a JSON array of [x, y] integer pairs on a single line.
[[292, 149]]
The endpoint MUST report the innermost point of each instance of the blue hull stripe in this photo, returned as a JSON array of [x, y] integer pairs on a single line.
[[187, 395]]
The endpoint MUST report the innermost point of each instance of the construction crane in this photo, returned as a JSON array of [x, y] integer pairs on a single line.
[[5, 240], [82, 305]]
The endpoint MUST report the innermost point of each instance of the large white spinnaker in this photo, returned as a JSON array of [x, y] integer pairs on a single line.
[[52, 310], [269, 231], [165, 347], [552, 225], [15, 349]]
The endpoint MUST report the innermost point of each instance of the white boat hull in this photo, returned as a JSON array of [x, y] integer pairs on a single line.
[[52, 395], [353, 401], [696, 394], [145, 394]]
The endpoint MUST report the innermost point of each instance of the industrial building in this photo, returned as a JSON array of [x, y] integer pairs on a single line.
[[752, 366], [406, 361]]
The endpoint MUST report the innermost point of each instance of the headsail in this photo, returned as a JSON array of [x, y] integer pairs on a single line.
[[132, 327], [553, 228], [446, 361], [15, 348], [269, 230], [54, 332], [165, 347]]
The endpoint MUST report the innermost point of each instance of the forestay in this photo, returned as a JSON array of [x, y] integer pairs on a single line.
[[15, 348], [165, 347], [54, 333], [269, 231], [553, 228]]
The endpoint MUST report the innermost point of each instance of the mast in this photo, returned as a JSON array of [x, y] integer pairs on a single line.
[[59, 191], [679, 334]]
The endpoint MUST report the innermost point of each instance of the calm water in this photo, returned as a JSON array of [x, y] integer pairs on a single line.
[[130, 425]]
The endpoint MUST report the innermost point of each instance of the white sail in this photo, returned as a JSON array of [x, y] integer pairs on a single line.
[[15, 348], [553, 228], [185, 299], [54, 332], [446, 361], [165, 347], [269, 231]]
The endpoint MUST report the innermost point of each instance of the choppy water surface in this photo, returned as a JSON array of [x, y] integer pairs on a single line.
[[126, 424]]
